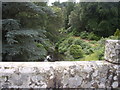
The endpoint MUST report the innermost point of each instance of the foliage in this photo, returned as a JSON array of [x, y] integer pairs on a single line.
[[101, 18], [76, 51], [82, 43], [92, 36], [43, 51], [98, 55], [88, 24], [84, 34], [54, 24], [87, 35], [94, 49], [17, 7], [117, 34], [15, 44], [70, 40], [22, 31], [63, 47], [78, 41], [85, 46]]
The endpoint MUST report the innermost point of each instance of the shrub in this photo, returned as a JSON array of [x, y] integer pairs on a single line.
[[88, 51], [117, 34], [75, 33], [93, 42], [102, 41], [113, 37], [97, 55], [76, 51], [101, 53], [85, 45], [92, 36], [82, 43], [70, 40], [78, 42], [84, 34], [63, 47]]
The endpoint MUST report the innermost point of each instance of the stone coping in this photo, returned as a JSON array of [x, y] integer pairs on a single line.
[[113, 40], [58, 63], [112, 51]]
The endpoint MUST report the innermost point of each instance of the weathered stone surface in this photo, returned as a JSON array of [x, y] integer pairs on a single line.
[[77, 74], [112, 51], [115, 84]]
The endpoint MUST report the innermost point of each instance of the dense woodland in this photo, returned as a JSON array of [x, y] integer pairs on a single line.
[[66, 31]]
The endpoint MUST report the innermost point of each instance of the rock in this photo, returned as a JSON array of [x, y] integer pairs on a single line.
[[102, 85], [115, 84], [75, 82], [95, 73], [115, 78]]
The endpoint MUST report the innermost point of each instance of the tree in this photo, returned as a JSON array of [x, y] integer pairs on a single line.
[[100, 18], [54, 24], [20, 38], [67, 7]]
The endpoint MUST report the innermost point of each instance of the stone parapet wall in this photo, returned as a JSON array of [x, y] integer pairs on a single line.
[[65, 74], [112, 51]]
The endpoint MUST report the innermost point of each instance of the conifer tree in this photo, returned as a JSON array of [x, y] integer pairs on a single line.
[[19, 40]]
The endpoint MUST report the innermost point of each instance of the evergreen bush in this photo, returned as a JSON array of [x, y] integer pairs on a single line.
[[84, 35], [92, 36], [76, 51], [117, 34]]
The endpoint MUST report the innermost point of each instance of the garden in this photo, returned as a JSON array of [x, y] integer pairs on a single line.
[[66, 31]]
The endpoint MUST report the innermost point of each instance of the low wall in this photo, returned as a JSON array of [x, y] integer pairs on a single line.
[[78, 74]]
